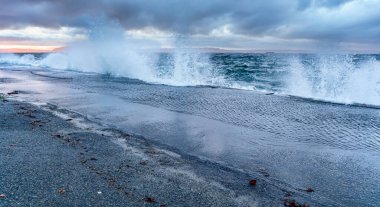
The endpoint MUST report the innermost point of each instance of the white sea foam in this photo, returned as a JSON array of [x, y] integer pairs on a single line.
[[336, 78], [189, 67], [23, 60], [107, 51]]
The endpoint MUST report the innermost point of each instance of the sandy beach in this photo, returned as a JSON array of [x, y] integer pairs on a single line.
[[47, 160]]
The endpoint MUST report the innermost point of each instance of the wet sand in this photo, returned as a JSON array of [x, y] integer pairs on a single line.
[[49, 160]]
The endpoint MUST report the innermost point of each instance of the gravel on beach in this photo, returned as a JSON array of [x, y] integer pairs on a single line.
[[46, 160]]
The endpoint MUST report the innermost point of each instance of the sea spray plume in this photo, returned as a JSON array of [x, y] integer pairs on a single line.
[[189, 66], [298, 80], [56, 60], [22, 60], [183, 67], [106, 51], [337, 78], [365, 83]]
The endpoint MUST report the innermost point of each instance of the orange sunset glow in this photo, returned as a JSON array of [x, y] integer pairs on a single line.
[[28, 49]]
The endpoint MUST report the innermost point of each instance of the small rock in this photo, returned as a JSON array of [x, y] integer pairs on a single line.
[[112, 181], [309, 190], [36, 123], [30, 114], [149, 200], [263, 171], [61, 191], [121, 190], [293, 203], [253, 182], [57, 135], [288, 194], [144, 162], [13, 92]]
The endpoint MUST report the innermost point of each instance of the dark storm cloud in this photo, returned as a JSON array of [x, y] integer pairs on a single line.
[[307, 19]]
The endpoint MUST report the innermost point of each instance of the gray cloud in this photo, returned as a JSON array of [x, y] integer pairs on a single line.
[[319, 20]]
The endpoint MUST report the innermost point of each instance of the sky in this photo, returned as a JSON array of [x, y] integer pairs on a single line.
[[258, 25]]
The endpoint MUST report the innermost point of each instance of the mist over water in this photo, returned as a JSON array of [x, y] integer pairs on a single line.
[[337, 78], [17, 60], [106, 51]]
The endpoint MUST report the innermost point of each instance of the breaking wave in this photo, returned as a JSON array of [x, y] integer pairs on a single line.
[[8, 59], [348, 79]]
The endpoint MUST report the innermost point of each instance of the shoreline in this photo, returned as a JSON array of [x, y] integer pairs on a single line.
[[271, 139], [49, 160]]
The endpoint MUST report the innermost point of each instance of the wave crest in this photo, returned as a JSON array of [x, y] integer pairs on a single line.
[[347, 79], [337, 78]]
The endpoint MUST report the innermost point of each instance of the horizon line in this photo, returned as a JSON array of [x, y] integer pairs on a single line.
[[203, 49]]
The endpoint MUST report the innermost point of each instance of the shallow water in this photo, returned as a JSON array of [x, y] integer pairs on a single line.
[[298, 142]]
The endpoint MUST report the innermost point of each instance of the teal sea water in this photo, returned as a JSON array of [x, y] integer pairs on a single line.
[[340, 78]]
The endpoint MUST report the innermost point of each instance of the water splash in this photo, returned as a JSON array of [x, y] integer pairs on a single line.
[[186, 67], [337, 78], [23, 60], [106, 51]]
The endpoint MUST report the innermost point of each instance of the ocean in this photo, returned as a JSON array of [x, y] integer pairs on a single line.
[[339, 78], [292, 121]]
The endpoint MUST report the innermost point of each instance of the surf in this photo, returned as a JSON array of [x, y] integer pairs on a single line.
[[347, 79]]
